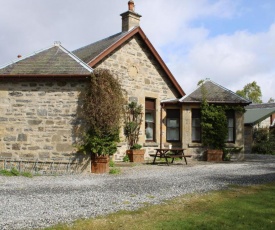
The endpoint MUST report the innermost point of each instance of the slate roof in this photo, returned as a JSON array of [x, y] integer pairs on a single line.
[[256, 113], [261, 106], [214, 93], [55, 60], [91, 51]]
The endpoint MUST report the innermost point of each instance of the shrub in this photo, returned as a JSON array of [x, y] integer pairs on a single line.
[[102, 111], [136, 146], [264, 141], [214, 126], [114, 171], [111, 163], [126, 158], [132, 122]]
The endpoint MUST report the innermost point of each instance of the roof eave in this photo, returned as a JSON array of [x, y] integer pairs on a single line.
[[28, 76], [216, 102]]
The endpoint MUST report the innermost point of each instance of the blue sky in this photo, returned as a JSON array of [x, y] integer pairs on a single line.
[[229, 41], [255, 17]]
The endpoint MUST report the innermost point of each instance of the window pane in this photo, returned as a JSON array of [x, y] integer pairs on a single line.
[[230, 134], [173, 134], [149, 117], [172, 124], [196, 134], [230, 122], [196, 122], [196, 125], [231, 126], [149, 131]]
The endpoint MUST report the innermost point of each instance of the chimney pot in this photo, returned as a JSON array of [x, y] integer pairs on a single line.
[[131, 5]]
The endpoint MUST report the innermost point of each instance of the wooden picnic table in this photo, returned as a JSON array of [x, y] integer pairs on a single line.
[[170, 153]]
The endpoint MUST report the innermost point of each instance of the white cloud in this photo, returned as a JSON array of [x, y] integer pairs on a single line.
[[232, 61]]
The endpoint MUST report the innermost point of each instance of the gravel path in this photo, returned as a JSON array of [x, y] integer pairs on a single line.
[[38, 202]]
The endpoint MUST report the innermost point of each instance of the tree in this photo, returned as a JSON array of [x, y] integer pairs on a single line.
[[132, 123], [214, 125], [271, 100], [252, 92], [102, 111]]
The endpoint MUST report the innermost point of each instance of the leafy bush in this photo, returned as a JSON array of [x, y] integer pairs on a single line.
[[102, 111], [126, 158], [15, 172], [136, 146], [214, 126], [114, 171], [99, 143], [111, 163], [264, 141], [132, 123]]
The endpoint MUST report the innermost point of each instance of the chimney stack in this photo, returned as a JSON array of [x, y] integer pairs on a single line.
[[130, 18]]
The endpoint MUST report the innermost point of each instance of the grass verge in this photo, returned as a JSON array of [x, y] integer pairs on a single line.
[[15, 172], [236, 208]]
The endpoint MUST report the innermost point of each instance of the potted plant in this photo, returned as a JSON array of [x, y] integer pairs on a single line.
[[132, 123], [101, 111], [100, 146], [214, 130]]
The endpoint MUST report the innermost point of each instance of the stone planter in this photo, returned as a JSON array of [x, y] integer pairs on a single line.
[[136, 155], [100, 164], [214, 155]]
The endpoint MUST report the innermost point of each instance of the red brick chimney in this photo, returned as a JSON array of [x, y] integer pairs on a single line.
[[130, 18]]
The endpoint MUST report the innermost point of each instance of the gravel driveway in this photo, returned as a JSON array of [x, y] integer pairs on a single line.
[[46, 200]]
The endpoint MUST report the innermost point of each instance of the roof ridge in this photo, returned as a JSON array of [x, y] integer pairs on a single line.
[[77, 59]]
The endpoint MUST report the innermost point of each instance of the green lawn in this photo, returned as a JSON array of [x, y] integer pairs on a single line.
[[236, 208]]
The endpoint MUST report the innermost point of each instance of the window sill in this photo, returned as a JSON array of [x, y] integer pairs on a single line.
[[195, 145], [150, 144]]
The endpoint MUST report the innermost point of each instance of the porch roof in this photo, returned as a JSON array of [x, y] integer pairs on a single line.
[[256, 115], [214, 93]]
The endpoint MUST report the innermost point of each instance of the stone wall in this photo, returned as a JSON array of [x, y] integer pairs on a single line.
[[263, 124], [142, 77], [39, 118], [248, 139]]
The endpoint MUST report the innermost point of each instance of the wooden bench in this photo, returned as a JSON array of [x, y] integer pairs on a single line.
[[170, 153], [173, 156]]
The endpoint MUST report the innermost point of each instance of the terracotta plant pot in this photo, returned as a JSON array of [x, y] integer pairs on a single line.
[[214, 155], [100, 164], [136, 155]]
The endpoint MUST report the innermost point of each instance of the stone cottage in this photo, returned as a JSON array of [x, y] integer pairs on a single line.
[[39, 93], [39, 103]]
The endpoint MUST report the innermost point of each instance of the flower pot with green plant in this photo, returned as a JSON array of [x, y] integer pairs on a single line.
[[132, 123], [214, 130], [101, 111]]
